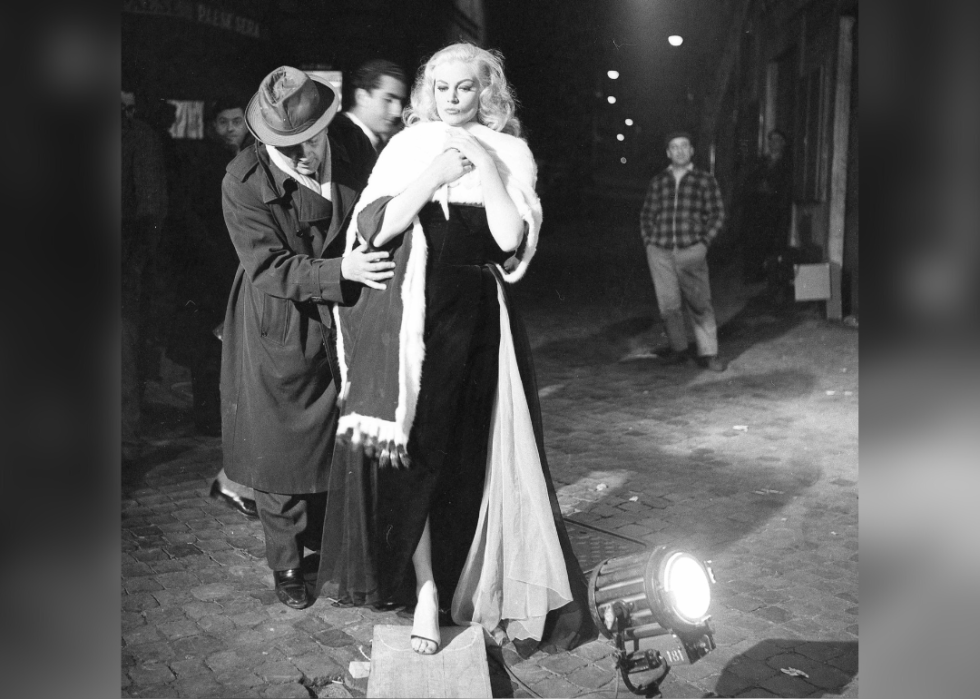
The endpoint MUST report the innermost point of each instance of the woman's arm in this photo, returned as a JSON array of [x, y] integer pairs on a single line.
[[505, 222], [448, 166]]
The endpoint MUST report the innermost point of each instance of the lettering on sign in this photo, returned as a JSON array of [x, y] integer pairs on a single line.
[[200, 12]]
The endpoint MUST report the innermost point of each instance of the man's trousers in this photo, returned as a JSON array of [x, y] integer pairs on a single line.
[[290, 523], [680, 277]]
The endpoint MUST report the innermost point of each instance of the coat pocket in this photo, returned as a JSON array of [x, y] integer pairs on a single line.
[[275, 319]]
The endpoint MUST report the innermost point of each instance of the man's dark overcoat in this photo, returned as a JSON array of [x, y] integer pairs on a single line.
[[278, 365]]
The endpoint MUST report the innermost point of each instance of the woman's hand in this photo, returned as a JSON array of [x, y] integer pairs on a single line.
[[448, 167], [368, 268], [472, 150]]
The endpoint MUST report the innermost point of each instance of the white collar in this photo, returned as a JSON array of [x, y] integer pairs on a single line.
[[280, 161], [683, 171]]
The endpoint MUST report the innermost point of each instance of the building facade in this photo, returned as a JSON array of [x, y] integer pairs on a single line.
[[792, 65]]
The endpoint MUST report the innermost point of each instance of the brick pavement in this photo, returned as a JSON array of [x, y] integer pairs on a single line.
[[755, 469]]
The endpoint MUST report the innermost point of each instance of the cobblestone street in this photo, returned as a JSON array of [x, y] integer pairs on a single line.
[[754, 468]]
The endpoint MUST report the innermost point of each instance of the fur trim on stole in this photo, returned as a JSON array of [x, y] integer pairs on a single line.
[[402, 161]]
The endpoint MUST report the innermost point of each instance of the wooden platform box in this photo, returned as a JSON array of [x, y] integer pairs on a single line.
[[459, 669], [811, 282]]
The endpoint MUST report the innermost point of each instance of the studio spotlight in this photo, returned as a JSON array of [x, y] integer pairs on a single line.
[[660, 597]]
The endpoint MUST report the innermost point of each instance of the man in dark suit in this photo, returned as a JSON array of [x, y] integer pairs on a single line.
[[380, 91], [287, 201]]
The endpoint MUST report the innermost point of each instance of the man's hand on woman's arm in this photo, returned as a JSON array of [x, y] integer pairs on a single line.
[[367, 268]]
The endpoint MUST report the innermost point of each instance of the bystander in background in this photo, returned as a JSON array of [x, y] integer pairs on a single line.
[[766, 209], [144, 207], [682, 214], [208, 262]]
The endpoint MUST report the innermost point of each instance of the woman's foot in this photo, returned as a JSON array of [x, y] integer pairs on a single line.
[[425, 626]]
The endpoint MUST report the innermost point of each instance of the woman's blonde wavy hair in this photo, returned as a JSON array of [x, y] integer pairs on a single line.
[[497, 103]]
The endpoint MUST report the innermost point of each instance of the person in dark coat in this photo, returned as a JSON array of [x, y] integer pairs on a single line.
[[768, 207], [209, 263], [145, 202], [378, 99], [286, 201], [375, 111]]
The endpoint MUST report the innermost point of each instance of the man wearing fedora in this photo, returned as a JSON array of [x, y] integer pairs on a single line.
[[287, 200]]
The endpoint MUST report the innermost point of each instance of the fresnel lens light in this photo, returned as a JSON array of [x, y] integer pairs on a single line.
[[660, 597]]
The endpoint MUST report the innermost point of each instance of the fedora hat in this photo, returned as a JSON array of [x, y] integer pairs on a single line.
[[290, 107]]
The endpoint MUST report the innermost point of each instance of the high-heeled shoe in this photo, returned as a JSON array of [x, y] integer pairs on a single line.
[[425, 624]]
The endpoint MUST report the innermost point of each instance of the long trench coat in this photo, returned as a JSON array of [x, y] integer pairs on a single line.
[[278, 368]]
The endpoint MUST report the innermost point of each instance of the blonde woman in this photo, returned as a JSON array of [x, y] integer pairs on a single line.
[[440, 492]]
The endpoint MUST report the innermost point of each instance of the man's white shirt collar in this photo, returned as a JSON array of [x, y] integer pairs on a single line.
[[678, 174], [324, 189]]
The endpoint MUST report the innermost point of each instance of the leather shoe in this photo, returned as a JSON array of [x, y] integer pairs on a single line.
[[713, 363], [291, 588], [244, 505]]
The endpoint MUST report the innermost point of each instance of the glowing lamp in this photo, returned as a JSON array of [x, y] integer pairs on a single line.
[[675, 40], [660, 597], [629, 122], [611, 99], [613, 74]]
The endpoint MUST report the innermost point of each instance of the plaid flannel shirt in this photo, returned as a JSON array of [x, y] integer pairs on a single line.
[[678, 216]]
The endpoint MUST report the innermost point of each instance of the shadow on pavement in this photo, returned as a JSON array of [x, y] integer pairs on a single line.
[[134, 473], [761, 321], [166, 427], [780, 384], [744, 497], [790, 668], [609, 344], [757, 323]]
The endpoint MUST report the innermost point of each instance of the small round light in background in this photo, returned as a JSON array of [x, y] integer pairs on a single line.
[[620, 137], [622, 160], [613, 74], [611, 99], [629, 122], [675, 40]]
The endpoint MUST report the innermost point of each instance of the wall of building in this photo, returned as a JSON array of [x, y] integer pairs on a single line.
[[178, 49], [786, 77]]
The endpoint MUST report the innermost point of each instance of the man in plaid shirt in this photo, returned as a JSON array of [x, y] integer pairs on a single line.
[[681, 215]]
